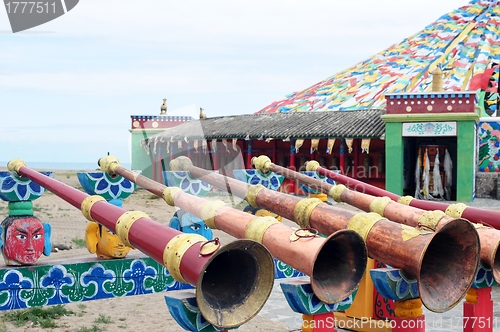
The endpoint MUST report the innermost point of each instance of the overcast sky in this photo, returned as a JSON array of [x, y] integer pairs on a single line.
[[68, 87]]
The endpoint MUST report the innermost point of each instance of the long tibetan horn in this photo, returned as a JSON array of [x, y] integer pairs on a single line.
[[443, 262], [335, 264], [225, 278]]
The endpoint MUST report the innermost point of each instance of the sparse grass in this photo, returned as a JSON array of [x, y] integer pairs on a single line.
[[81, 306], [3, 328], [154, 197], [122, 319], [37, 208], [43, 316], [80, 243], [94, 328], [119, 326], [103, 319]]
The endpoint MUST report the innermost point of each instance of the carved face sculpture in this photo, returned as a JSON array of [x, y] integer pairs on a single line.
[[24, 241], [104, 243], [187, 223]]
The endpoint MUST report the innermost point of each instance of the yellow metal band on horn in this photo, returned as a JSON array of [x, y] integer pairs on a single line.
[[175, 250], [169, 193], [125, 222], [379, 203], [181, 163], [108, 164], [262, 163], [303, 210], [431, 218], [87, 203], [252, 192], [408, 233], [208, 212], [406, 200], [312, 166], [258, 226], [456, 210], [15, 164], [336, 191], [363, 222]]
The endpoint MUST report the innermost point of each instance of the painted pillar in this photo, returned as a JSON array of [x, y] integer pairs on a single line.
[[478, 310], [466, 161], [356, 158], [215, 156], [342, 156], [249, 155], [275, 151], [292, 165], [394, 157]]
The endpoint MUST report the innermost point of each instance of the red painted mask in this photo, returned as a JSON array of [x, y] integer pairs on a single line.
[[24, 241]]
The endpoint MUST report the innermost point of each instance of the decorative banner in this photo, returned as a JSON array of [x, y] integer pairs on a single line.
[[195, 145], [298, 144], [329, 145], [154, 146], [348, 142], [168, 147], [365, 145], [314, 144], [214, 145], [179, 145], [429, 129], [269, 139], [235, 144]]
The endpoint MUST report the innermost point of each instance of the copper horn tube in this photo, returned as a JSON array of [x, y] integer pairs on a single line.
[[435, 259], [232, 282], [489, 238], [335, 265], [458, 210]]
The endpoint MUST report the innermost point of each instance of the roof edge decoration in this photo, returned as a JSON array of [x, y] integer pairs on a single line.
[[355, 124]]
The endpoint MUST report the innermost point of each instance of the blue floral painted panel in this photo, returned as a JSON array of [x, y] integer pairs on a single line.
[[188, 184], [15, 188], [270, 180], [105, 185], [315, 175]]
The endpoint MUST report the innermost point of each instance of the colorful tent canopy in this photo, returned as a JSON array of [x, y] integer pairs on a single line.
[[464, 43]]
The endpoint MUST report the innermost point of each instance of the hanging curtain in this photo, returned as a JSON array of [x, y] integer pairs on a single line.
[[329, 145], [314, 145], [298, 144], [214, 145], [224, 142], [448, 168], [426, 175], [195, 145], [348, 142], [365, 145], [204, 146], [235, 144], [417, 177], [438, 191]]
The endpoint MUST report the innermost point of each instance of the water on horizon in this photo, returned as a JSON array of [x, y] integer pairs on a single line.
[[47, 165]]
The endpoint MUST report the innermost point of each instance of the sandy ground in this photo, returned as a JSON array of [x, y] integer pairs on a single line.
[[131, 313]]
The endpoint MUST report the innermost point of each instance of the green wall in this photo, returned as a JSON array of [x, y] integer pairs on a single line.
[[466, 161], [394, 158], [466, 141], [140, 159]]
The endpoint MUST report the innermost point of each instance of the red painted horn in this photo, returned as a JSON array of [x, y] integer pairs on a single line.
[[435, 259], [232, 282], [489, 238], [457, 210], [336, 265]]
